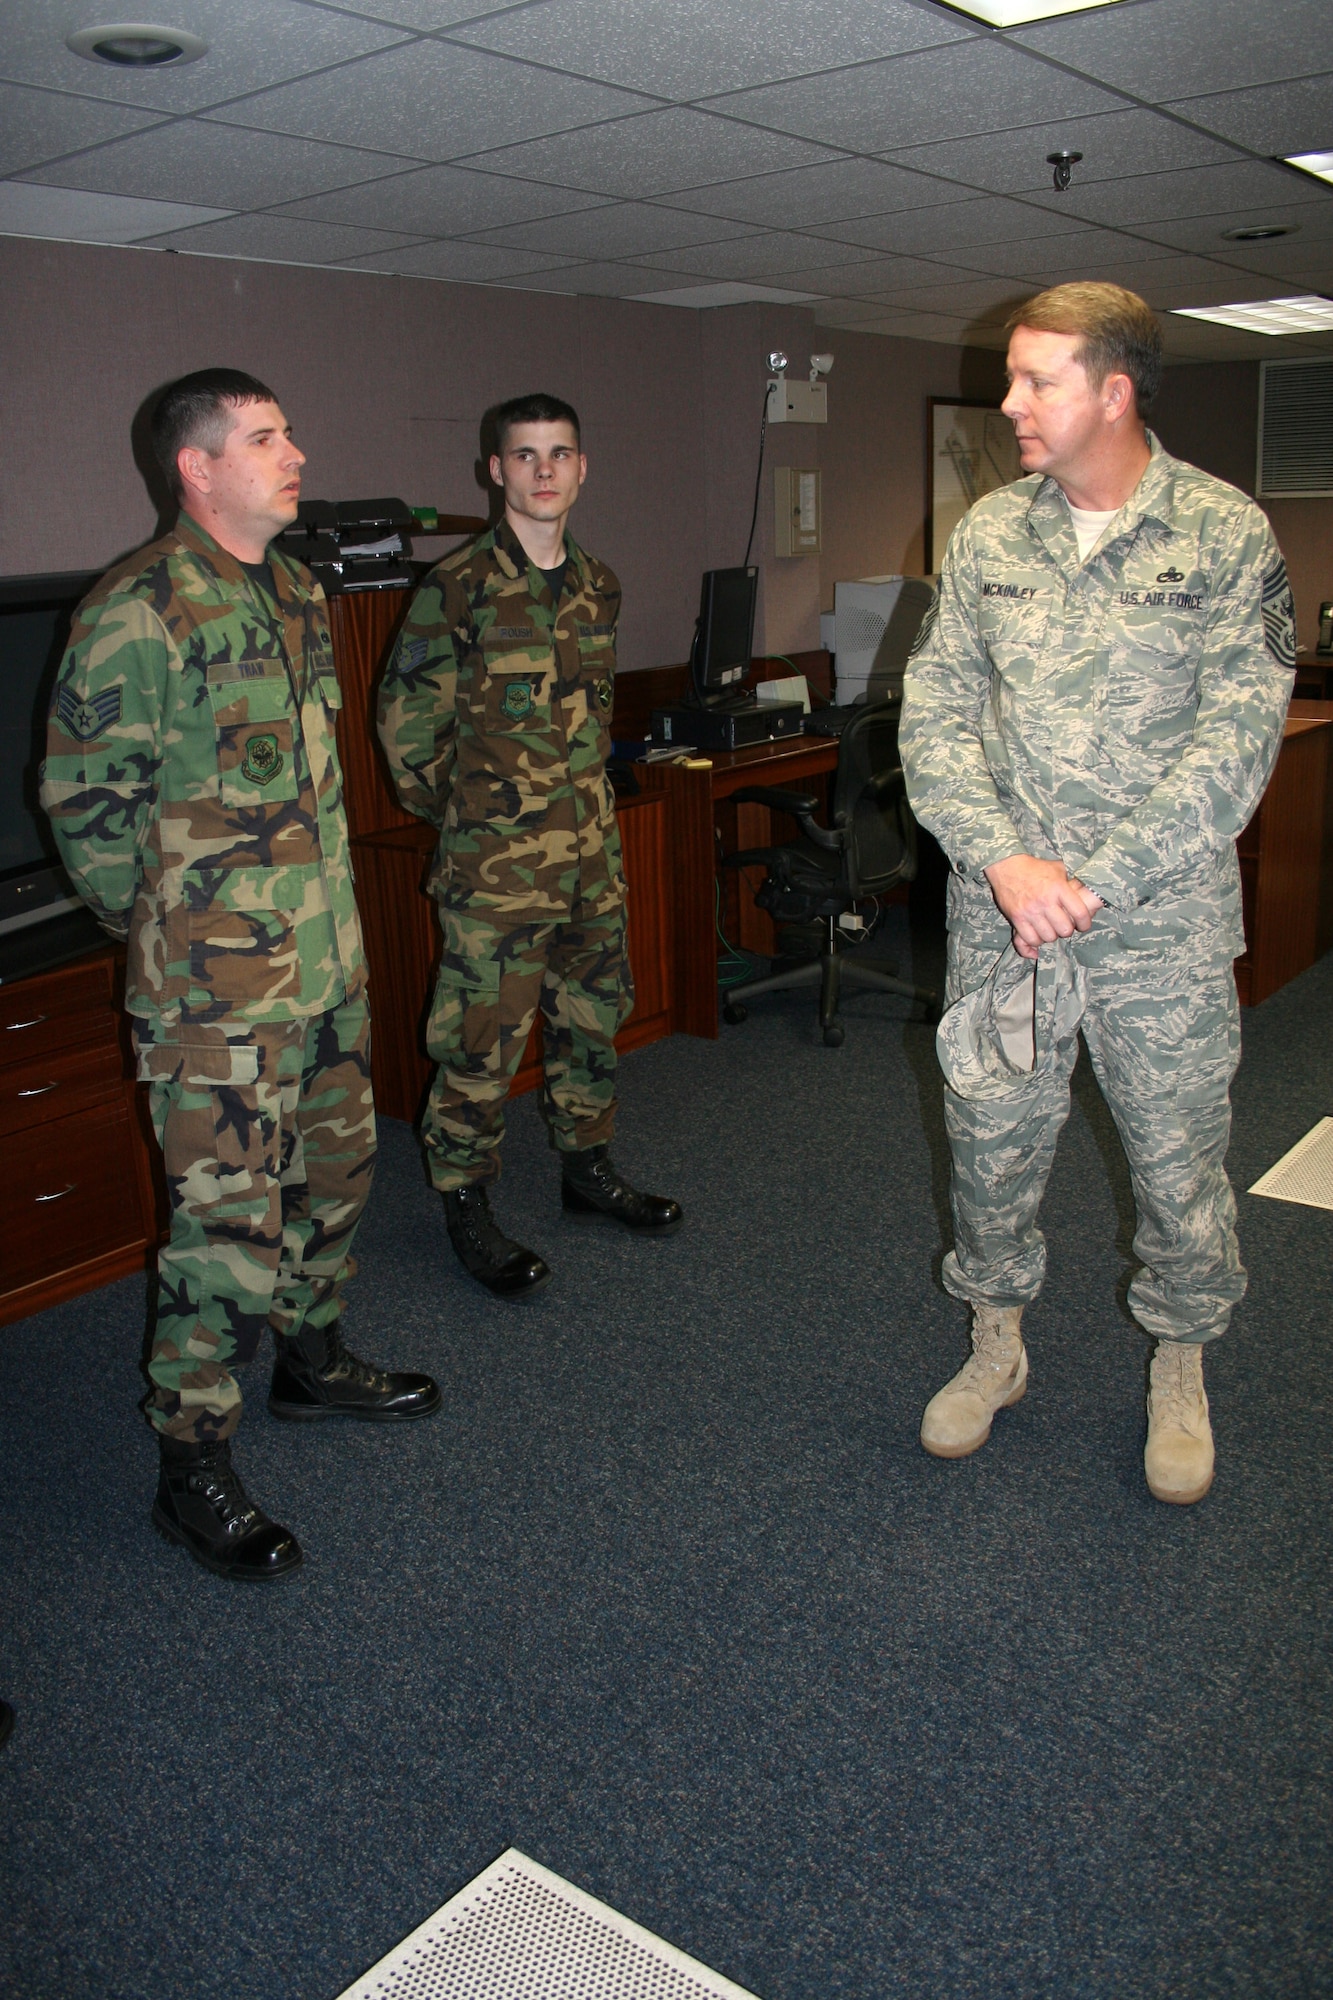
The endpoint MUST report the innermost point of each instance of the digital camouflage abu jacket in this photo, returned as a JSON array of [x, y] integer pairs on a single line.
[[193, 785], [495, 717], [1121, 715]]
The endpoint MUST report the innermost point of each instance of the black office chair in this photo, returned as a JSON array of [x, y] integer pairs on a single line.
[[870, 847]]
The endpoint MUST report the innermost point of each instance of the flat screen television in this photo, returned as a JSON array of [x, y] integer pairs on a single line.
[[42, 921], [724, 634]]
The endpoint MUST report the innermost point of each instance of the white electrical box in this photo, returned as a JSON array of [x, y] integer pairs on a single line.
[[797, 402], [797, 512]]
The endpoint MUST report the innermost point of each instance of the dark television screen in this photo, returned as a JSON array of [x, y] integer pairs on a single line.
[[726, 630], [35, 614]]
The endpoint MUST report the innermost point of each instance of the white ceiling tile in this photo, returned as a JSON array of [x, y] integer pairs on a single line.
[[805, 196], [685, 49], [41, 125], [250, 43], [1277, 119], [464, 263], [706, 298], [1283, 264], [442, 201], [752, 256], [1177, 46], [596, 280], [928, 232], [1312, 222], [847, 312], [1198, 191], [72, 216], [657, 153], [1112, 144], [862, 280], [975, 86], [430, 101], [276, 239], [426, 15], [623, 229], [193, 160], [939, 327], [970, 299], [1085, 253]]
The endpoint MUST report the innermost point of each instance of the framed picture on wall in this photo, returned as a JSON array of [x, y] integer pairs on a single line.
[[970, 450]]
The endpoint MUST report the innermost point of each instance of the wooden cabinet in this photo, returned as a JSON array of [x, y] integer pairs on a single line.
[[76, 1164], [1286, 866]]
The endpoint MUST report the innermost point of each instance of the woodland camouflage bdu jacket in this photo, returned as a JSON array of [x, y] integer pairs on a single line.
[[193, 784], [495, 717]]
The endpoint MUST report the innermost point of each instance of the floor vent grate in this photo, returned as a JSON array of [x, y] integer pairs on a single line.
[[521, 1933], [1305, 1174]]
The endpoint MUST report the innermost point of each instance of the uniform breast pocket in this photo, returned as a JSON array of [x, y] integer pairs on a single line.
[[256, 758], [1151, 673], [517, 693]]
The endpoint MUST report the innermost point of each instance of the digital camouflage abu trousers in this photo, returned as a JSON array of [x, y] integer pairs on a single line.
[[1163, 1032], [492, 979], [268, 1135]]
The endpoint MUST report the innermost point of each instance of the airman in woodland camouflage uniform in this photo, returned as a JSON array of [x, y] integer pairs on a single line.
[[1090, 720], [495, 718], [192, 781]]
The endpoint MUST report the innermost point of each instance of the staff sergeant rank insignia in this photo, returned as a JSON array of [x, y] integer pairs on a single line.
[[86, 719], [605, 693], [262, 760], [516, 701]]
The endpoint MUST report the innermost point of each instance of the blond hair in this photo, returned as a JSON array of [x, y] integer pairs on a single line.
[[1119, 332]]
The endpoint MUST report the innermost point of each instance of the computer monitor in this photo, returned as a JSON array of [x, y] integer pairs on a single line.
[[724, 634]]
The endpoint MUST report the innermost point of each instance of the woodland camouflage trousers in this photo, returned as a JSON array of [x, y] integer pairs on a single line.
[[492, 979], [268, 1136]]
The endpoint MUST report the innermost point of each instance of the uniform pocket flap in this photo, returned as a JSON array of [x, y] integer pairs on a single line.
[[251, 888], [204, 1064]]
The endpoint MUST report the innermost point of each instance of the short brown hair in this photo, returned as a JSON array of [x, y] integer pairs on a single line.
[[1120, 333], [536, 409], [198, 412]]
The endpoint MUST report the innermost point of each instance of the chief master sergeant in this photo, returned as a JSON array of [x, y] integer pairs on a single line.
[[193, 785], [495, 718], [1088, 724]]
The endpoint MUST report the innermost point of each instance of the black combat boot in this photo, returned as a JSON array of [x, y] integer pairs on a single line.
[[590, 1187], [202, 1504], [315, 1376], [504, 1267]]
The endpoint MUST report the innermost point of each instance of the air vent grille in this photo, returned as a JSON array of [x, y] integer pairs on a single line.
[[1296, 429]]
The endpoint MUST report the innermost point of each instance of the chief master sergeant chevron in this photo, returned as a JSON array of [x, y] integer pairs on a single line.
[[1088, 724], [495, 718], [192, 781]]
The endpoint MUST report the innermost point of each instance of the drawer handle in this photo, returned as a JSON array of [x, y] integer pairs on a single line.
[[12, 1027], [39, 1090], [57, 1197]]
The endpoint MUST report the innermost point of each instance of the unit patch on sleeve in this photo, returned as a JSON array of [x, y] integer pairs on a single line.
[[86, 719], [1279, 614]]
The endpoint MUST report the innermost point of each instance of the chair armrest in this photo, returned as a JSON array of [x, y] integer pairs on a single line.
[[801, 805]]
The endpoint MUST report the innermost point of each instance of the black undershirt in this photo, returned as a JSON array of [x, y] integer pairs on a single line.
[[555, 578], [262, 574]]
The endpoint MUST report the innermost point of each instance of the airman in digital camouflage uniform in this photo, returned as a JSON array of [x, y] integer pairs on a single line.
[[192, 781], [1090, 720], [495, 718]]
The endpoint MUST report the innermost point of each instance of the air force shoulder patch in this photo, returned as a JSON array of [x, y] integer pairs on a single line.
[[1279, 614], [86, 719]]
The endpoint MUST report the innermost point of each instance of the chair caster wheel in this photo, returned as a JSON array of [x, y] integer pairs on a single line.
[[834, 1036], [733, 1013]]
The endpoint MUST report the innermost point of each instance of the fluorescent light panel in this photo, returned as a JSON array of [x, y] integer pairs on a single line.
[[1307, 314], [1018, 13], [1319, 164]]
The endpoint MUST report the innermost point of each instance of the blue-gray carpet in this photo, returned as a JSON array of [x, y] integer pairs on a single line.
[[671, 1599]]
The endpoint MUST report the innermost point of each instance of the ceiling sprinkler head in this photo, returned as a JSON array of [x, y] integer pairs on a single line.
[[1064, 164]]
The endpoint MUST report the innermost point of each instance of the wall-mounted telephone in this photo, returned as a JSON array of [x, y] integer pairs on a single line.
[[1325, 643]]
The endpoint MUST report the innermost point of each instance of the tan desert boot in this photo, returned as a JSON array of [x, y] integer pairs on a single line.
[[1178, 1457], [957, 1420]]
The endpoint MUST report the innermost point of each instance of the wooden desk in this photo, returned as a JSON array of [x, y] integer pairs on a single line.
[[1286, 859]]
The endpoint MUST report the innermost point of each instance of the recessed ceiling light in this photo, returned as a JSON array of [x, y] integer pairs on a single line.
[[1018, 13], [1307, 314], [1319, 164], [137, 45], [1260, 232]]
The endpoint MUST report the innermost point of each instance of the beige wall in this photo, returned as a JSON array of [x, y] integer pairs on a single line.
[[386, 378]]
